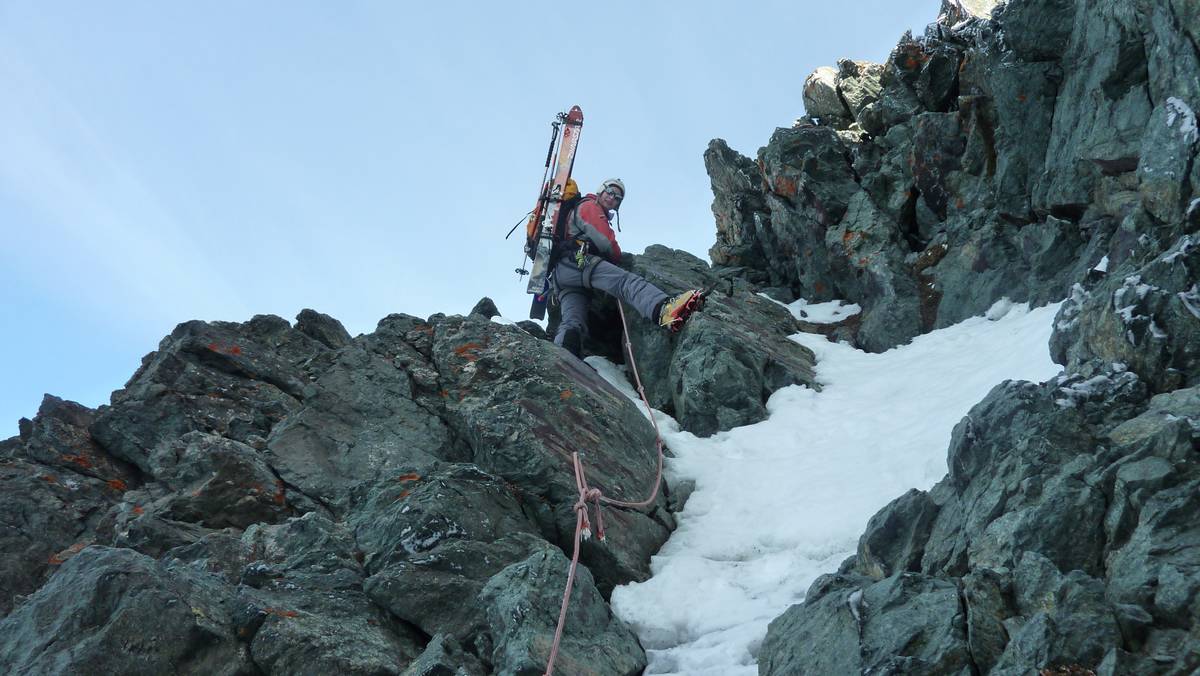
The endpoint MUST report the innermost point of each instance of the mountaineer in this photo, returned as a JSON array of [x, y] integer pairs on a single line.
[[586, 260]]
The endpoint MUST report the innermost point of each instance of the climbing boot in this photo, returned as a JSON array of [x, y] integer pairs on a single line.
[[675, 310]]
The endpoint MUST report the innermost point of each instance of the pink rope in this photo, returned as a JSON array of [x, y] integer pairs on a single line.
[[583, 527]]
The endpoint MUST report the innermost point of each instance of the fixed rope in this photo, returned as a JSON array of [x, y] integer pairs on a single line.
[[583, 524]]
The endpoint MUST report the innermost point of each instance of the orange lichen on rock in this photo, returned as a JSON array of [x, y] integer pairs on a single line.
[[467, 351], [61, 557], [80, 460]]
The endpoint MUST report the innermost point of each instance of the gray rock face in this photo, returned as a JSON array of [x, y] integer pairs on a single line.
[[263, 498]]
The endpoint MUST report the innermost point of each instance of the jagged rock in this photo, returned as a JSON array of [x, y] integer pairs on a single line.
[[1075, 627], [1036, 30], [300, 605], [322, 328], [522, 603], [830, 617], [1146, 320], [58, 437], [116, 611], [523, 406], [738, 207], [485, 307], [236, 380], [534, 329], [444, 657], [858, 84], [985, 595], [47, 515], [358, 420], [1011, 467], [217, 482], [907, 623], [432, 541], [895, 538], [1168, 150], [1102, 107], [955, 11]]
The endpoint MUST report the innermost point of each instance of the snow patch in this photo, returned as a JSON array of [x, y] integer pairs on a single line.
[[1180, 249], [1102, 266], [1177, 109], [1072, 307], [999, 309], [1191, 300], [1074, 390], [830, 312], [1126, 306], [414, 544]]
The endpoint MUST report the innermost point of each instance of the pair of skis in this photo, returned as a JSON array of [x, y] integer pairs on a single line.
[[541, 249]]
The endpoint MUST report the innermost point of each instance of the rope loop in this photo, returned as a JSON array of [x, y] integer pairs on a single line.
[[583, 530]]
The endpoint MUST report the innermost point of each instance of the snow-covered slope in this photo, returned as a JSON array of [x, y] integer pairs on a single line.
[[780, 502]]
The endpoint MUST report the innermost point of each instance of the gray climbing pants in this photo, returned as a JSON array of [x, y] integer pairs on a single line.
[[571, 285]]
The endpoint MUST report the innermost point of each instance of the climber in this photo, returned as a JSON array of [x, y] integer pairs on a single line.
[[586, 260]]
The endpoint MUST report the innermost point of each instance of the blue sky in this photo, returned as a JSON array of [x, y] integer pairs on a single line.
[[161, 162]]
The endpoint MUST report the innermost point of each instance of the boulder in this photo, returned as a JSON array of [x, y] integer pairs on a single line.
[[821, 99], [719, 371], [522, 605]]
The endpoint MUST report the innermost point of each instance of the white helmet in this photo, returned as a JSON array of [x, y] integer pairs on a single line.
[[612, 183]]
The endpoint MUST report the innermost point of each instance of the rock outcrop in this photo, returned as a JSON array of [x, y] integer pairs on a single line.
[[1043, 150], [274, 498], [1006, 152]]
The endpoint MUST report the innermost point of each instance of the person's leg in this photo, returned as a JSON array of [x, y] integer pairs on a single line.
[[574, 304], [573, 301], [642, 295]]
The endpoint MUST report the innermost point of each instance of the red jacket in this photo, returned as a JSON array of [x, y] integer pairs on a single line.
[[589, 222]]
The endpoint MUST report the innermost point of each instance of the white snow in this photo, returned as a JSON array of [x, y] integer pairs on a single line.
[[1191, 300], [1102, 266], [830, 312], [1177, 109], [999, 309], [778, 503]]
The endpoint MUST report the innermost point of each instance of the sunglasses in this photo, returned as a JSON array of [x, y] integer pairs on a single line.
[[615, 193]]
